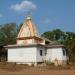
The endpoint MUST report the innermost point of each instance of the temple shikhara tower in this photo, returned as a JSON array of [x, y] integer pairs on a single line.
[[28, 34], [32, 49]]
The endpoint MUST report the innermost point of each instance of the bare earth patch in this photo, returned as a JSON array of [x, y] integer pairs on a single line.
[[13, 69], [27, 72]]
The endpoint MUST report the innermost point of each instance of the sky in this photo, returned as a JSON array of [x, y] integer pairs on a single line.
[[47, 15]]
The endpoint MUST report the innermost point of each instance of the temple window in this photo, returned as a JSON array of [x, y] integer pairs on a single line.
[[64, 52], [41, 53]]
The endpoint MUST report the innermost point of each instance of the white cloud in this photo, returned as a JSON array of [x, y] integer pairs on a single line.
[[23, 6], [1, 15]]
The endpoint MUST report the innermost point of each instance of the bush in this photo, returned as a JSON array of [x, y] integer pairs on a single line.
[[49, 63]]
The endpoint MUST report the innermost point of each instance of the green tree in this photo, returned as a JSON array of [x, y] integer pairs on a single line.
[[49, 35], [69, 43], [55, 35], [8, 34]]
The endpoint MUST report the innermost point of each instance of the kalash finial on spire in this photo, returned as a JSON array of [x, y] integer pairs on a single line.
[[29, 16]]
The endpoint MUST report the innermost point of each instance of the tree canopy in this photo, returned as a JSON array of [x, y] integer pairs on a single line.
[[8, 33]]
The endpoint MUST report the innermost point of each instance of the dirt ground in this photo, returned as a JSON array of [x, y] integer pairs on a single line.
[[32, 72], [13, 69]]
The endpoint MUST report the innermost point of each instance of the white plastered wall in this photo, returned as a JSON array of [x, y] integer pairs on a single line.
[[55, 54], [22, 55]]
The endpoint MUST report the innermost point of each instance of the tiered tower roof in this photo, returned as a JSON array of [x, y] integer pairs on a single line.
[[28, 29]]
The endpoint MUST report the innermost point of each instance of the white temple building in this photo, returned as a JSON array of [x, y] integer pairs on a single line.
[[34, 49]]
